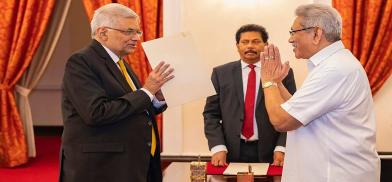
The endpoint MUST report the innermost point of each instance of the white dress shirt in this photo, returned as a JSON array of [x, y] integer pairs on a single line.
[[335, 105]]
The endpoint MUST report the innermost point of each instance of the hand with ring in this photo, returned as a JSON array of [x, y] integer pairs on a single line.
[[272, 68]]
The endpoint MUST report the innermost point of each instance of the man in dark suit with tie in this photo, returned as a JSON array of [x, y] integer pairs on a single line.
[[236, 122], [110, 133]]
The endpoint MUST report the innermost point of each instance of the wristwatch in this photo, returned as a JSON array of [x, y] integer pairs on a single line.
[[269, 84]]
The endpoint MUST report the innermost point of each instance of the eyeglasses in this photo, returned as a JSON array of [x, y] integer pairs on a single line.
[[298, 30], [129, 32]]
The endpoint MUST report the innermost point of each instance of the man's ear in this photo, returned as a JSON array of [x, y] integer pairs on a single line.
[[318, 33], [102, 33]]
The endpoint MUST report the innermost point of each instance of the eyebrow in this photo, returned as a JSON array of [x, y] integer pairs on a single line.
[[131, 29], [253, 39]]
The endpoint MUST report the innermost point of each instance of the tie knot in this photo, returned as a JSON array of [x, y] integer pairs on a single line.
[[251, 66]]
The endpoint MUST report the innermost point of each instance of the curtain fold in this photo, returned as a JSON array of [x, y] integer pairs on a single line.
[[21, 29], [38, 65], [367, 33], [151, 22]]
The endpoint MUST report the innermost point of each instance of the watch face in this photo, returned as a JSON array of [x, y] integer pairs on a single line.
[[268, 84]]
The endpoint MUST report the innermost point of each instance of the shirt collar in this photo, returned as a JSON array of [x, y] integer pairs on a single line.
[[326, 52], [112, 55], [245, 65]]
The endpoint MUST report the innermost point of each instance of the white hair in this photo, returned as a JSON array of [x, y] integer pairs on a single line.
[[108, 14], [322, 16]]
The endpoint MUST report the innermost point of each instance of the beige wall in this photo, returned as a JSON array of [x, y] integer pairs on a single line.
[[213, 24], [382, 105]]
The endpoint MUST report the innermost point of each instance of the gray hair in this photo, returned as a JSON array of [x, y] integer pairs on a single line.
[[108, 14], [322, 16]]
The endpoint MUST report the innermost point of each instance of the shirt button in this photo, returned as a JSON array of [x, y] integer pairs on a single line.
[[149, 123], [149, 144]]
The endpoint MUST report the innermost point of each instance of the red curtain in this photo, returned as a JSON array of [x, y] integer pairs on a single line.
[[151, 18], [22, 26], [367, 33]]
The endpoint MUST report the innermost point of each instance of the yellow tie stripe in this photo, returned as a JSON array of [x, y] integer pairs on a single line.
[[153, 141], [133, 87], [125, 73]]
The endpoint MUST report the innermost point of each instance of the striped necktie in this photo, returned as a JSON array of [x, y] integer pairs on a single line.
[[133, 87]]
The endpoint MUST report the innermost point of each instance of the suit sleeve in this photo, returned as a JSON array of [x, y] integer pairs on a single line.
[[289, 83], [160, 109], [212, 116], [82, 86]]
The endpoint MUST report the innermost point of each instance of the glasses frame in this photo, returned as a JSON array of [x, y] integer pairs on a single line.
[[298, 30], [128, 32]]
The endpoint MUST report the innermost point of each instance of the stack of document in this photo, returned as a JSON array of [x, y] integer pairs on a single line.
[[258, 169]]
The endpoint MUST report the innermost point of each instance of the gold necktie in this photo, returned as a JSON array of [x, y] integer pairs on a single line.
[[125, 73], [133, 87]]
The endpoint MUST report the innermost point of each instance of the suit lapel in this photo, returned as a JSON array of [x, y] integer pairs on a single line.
[[117, 74], [237, 77], [112, 67], [133, 76], [260, 95]]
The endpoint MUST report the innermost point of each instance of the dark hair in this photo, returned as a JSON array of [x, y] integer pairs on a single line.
[[252, 28]]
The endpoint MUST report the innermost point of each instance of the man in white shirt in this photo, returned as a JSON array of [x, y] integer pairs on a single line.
[[329, 121]]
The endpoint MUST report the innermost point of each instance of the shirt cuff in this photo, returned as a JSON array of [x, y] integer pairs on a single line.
[[157, 103], [218, 148], [148, 93], [280, 149]]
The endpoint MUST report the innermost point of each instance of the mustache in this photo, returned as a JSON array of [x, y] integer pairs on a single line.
[[251, 51]]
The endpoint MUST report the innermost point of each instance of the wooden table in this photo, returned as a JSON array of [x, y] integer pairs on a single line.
[[180, 172]]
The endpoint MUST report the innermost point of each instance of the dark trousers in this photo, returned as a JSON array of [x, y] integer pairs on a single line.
[[154, 171], [249, 151]]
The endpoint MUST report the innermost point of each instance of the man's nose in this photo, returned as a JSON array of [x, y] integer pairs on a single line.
[[136, 37], [250, 45], [290, 39]]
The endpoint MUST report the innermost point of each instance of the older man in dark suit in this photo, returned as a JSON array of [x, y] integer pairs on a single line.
[[110, 133], [236, 122]]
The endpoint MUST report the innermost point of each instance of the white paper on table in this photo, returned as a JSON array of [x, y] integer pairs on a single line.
[[192, 79], [258, 169]]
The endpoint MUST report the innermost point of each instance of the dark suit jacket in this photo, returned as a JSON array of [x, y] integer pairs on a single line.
[[107, 127], [228, 106]]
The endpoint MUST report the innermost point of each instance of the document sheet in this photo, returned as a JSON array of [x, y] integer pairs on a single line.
[[257, 168], [192, 76]]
